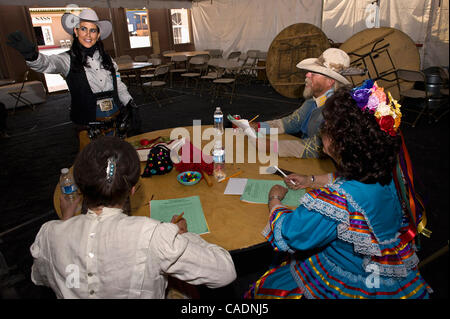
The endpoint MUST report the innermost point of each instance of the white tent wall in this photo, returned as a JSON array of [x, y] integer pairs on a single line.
[[150, 4], [436, 42], [241, 25], [424, 21], [344, 18], [252, 24]]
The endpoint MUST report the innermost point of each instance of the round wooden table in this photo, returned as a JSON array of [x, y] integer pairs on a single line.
[[233, 224]]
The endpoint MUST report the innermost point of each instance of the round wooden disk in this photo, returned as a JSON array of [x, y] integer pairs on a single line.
[[292, 45], [383, 50]]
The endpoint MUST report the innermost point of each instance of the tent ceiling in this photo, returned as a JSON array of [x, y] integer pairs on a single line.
[[150, 4]]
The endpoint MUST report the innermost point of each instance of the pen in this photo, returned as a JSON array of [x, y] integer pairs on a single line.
[[233, 175], [178, 218], [282, 173], [254, 118]]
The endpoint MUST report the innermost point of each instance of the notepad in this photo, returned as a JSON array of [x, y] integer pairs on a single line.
[[163, 210], [257, 191], [235, 186]]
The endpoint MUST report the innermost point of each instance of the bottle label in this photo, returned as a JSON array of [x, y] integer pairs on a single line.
[[219, 158], [218, 118], [69, 189]]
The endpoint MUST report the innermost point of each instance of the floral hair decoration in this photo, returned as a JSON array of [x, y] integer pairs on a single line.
[[372, 98]]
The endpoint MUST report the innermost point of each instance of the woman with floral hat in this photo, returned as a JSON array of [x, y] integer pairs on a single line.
[[351, 237]]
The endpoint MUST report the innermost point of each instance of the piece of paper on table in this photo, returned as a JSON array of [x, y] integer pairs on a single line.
[[163, 210], [244, 125], [257, 191], [235, 186]]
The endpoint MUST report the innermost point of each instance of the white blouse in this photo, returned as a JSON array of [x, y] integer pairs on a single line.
[[113, 255]]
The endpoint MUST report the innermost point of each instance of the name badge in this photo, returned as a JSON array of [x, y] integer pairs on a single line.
[[105, 104]]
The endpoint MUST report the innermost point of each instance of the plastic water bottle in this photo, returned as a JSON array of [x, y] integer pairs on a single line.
[[218, 121], [68, 186], [219, 160]]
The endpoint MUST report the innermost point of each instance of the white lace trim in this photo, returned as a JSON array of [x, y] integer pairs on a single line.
[[299, 281], [362, 243], [326, 209]]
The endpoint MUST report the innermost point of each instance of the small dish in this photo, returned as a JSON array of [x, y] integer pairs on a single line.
[[189, 178]]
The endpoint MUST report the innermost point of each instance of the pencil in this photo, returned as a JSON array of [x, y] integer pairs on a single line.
[[254, 118], [233, 175], [178, 218]]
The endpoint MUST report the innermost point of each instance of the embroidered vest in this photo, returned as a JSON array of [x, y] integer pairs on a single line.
[[83, 101]]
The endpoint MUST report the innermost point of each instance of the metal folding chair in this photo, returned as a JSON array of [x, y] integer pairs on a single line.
[[179, 64], [17, 94], [417, 79], [158, 83]]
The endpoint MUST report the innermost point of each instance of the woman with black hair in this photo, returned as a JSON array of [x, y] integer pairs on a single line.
[[350, 237], [97, 92], [109, 255]]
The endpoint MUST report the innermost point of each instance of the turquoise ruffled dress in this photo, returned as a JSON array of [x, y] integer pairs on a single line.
[[360, 238]]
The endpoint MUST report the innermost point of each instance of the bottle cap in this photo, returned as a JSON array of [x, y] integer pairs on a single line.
[[218, 108], [64, 170]]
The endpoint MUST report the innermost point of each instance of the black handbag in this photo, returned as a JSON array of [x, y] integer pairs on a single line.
[[158, 161]]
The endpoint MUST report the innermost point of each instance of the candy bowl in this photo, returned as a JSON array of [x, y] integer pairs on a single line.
[[189, 178]]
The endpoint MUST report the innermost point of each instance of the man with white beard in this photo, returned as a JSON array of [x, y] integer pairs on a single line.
[[323, 78]]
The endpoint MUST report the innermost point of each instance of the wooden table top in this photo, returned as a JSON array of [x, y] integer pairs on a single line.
[[233, 224], [186, 53], [133, 66]]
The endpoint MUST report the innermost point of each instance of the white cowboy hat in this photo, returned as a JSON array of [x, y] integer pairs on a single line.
[[330, 63], [70, 21]]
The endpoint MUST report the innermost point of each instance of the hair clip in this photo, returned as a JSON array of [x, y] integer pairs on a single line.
[[111, 168]]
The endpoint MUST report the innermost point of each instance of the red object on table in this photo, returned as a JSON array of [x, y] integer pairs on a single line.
[[188, 153]]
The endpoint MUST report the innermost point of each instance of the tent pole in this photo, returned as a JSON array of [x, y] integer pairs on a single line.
[[321, 15], [113, 35]]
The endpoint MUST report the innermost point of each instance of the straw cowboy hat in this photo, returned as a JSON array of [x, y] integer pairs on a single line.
[[330, 63], [70, 21]]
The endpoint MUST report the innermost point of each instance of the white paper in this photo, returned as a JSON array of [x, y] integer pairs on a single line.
[[235, 186]]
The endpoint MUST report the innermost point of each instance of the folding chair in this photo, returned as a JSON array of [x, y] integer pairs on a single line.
[[444, 95], [149, 73], [260, 66], [228, 72], [158, 83], [141, 58], [248, 71], [234, 55], [212, 73], [215, 53], [417, 79], [178, 66], [197, 67], [17, 94]]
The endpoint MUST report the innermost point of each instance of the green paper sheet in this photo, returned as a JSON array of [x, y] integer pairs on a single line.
[[257, 191], [163, 210]]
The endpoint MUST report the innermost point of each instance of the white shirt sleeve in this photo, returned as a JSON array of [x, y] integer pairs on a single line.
[[122, 89], [41, 271], [53, 64], [190, 258]]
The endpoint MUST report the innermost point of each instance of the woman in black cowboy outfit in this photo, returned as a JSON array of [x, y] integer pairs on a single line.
[[100, 101]]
